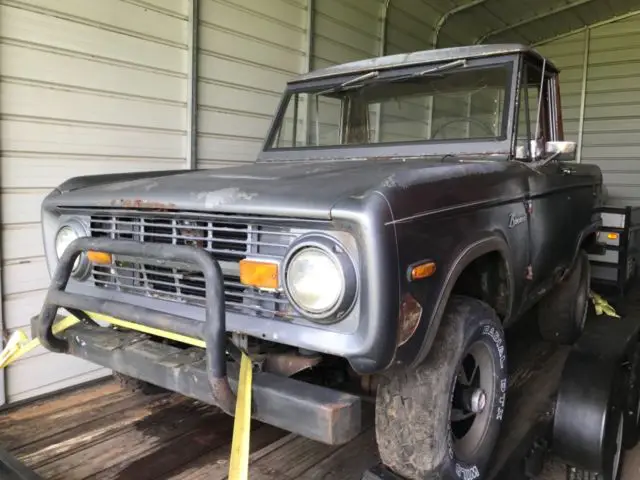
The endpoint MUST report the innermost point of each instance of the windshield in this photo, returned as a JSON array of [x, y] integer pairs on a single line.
[[433, 104]]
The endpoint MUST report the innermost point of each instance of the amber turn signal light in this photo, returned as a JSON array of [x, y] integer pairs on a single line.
[[613, 236], [259, 274], [423, 270], [100, 258]]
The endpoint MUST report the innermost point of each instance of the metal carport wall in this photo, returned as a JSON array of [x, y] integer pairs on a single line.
[[127, 85], [90, 87]]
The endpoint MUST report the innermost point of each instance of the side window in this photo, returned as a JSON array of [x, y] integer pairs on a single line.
[[533, 115]]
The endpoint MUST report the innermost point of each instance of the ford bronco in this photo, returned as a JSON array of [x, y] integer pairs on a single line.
[[402, 213]]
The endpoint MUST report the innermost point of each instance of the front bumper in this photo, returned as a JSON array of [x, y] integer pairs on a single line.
[[312, 411]]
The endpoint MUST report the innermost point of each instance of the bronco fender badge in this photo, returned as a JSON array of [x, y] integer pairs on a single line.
[[516, 219]]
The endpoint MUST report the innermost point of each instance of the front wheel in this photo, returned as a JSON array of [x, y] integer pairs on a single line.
[[443, 417]]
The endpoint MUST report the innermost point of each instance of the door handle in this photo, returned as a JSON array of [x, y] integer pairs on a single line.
[[567, 170]]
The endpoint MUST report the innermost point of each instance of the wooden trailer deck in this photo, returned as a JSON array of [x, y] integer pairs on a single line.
[[103, 432]]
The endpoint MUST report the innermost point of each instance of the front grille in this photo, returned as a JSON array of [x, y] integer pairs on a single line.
[[226, 237]]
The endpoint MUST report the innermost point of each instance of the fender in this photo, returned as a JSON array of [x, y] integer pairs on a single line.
[[492, 243], [588, 230]]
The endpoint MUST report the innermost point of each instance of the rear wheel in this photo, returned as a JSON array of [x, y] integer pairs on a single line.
[[562, 314], [443, 417]]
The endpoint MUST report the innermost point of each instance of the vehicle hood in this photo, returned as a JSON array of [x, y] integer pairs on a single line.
[[297, 189]]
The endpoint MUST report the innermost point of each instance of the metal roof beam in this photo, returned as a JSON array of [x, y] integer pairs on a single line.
[[590, 26], [443, 19], [526, 21]]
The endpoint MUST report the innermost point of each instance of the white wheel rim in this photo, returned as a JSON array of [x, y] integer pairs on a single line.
[[618, 455]]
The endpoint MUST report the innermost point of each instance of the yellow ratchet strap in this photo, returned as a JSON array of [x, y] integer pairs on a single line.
[[602, 306], [19, 344], [239, 462]]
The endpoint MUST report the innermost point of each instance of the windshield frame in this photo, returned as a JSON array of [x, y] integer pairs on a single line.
[[499, 147]]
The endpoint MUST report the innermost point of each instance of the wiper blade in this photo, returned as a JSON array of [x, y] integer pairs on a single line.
[[430, 71], [351, 82], [360, 80]]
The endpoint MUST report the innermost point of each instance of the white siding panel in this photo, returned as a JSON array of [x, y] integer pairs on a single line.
[[45, 135], [612, 102], [25, 26], [344, 31], [15, 306], [410, 26], [86, 88], [25, 275], [54, 371], [350, 32], [248, 51]]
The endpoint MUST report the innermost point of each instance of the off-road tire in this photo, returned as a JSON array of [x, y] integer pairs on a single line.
[[413, 407], [137, 386], [563, 312]]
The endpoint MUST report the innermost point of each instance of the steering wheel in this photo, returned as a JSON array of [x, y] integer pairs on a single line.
[[482, 125]]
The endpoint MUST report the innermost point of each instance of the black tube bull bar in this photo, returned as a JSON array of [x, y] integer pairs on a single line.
[[212, 331]]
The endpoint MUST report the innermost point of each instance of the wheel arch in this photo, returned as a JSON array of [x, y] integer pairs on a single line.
[[491, 244], [586, 240]]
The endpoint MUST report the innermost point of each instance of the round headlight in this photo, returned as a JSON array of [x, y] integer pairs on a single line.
[[314, 280], [65, 236], [319, 278]]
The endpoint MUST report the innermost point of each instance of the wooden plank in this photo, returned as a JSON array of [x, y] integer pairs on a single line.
[[291, 460], [53, 404], [111, 422], [348, 462], [215, 464], [175, 453], [22, 432], [140, 438]]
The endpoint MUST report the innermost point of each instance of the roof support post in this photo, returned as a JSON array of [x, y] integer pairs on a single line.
[[382, 51], [310, 46], [192, 87], [443, 19], [583, 92]]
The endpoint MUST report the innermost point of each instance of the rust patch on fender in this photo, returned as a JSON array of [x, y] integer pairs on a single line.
[[409, 318]]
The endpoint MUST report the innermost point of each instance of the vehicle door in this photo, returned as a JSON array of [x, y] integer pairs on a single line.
[[560, 192]]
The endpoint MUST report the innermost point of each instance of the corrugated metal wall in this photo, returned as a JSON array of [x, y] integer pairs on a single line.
[[87, 87], [410, 26], [345, 30], [611, 130], [100, 87], [248, 51]]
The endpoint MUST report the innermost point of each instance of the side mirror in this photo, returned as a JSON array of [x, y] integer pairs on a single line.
[[564, 151]]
